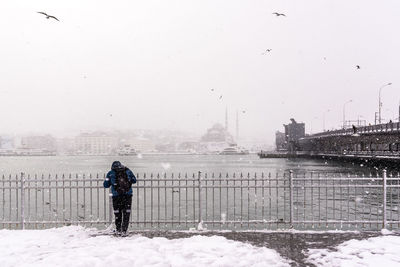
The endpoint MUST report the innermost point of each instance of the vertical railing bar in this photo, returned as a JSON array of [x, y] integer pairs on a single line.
[[83, 206], [384, 199], [98, 196], [227, 200], [363, 200], [138, 200], [270, 198], [17, 210], [263, 198], [291, 198], [151, 202], [50, 198], [43, 200], [110, 203], [326, 200], [391, 200], [277, 198], [319, 199], [333, 201], [70, 197], [186, 201], [22, 217], [144, 201], [220, 200], [9, 195], [248, 200], [234, 200], [304, 199], [91, 199], [28, 181], [165, 200], [158, 202], [206, 182], [3, 197], [341, 202], [105, 200], [200, 220], [172, 200], [213, 201], [241, 200], [348, 199], [179, 201], [56, 210], [312, 198], [194, 198], [370, 201]]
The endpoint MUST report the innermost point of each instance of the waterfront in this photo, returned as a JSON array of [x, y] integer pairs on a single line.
[[151, 163]]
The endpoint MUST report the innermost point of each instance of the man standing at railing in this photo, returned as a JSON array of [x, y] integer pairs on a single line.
[[120, 178]]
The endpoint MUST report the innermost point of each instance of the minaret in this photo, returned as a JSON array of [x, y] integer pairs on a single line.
[[226, 119], [237, 126]]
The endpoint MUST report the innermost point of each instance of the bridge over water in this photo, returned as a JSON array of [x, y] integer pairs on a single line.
[[374, 142]]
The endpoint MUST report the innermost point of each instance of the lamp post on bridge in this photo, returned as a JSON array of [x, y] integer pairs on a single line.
[[344, 112], [380, 102], [323, 119]]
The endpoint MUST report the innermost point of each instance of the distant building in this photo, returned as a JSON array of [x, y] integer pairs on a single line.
[[43, 142], [293, 132], [216, 139], [280, 141], [96, 143], [217, 133], [140, 144]]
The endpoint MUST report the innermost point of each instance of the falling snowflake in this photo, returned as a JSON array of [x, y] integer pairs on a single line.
[[166, 166], [223, 217]]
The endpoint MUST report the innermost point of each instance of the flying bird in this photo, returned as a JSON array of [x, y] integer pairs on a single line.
[[358, 67], [266, 51], [220, 97], [48, 16], [279, 14], [212, 89]]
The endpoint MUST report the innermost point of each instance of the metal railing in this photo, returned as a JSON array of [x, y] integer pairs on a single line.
[[212, 201], [390, 127]]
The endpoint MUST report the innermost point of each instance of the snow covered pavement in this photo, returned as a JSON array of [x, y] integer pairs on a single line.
[[74, 246], [374, 251]]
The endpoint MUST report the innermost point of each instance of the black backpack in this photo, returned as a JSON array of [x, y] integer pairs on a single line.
[[123, 185]]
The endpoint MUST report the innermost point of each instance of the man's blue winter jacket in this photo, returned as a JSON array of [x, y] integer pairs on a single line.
[[111, 181]]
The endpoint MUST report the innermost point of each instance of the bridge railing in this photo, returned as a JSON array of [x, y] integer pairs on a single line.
[[379, 128], [203, 200]]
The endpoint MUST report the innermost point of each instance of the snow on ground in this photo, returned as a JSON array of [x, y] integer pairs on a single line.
[[374, 251], [74, 246]]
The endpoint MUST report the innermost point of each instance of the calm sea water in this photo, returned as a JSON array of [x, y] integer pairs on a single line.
[[170, 164]]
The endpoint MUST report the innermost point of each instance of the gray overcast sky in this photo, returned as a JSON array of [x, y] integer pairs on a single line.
[[152, 64]]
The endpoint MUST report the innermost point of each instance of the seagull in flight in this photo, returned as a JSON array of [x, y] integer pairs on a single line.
[[266, 51], [220, 97], [48, 16], [358, 67], [279, 14]]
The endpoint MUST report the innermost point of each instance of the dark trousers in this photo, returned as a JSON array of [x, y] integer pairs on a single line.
[[122, 211]]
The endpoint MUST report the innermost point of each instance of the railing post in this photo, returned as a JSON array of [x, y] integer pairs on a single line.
[[22, 202], [110, 208], [199, 226], [384, 199], [291, 198]]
